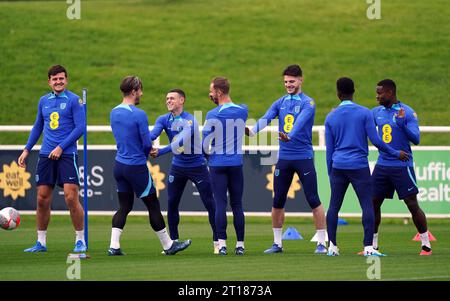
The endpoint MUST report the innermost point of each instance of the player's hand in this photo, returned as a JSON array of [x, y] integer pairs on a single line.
[[154, 152], [56, 153], [401, 113], [283, 137], [404, 156], [248, 132], [22, 159]]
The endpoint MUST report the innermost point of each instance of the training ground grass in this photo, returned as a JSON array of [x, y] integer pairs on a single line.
[[144, 261], [185, 44]]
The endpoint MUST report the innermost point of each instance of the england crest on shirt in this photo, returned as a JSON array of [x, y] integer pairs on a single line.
[[297, 109], [62, 106]]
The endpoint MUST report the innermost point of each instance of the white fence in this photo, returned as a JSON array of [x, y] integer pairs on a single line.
[[320, 129], [271, 130]]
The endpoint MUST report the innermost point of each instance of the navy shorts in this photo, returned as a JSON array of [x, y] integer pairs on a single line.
[[134, 178], [51, 172], [283, 175], [197, 174], [386, 179]]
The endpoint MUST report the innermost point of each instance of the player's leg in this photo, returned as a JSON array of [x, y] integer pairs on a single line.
[[236, 190], [126, 199], [361, 182], [382, 188], [171, 247], [307, 173], [45, 182], [76, 214], [420, 221], [376, 202], [69, 179], [139, 177], [282, 179], [339, 183], [201, 178], [407, 190], [175, 187], [43, 210], [219, 180]]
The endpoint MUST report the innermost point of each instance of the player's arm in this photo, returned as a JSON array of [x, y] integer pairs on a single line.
[[35, 133], [183, 139], [329, 143], [79, 120], [409, 124], [144, 133], [371, 132], [271, 113], [308, 110], [207, 135], [158, 128]]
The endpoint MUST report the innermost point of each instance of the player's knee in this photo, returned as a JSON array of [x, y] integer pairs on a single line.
[[278, 203], [413, 205], [171, 206], [71, 200], [315, 204], [43, 202], [152, 202], [124, 210], [71, 194]]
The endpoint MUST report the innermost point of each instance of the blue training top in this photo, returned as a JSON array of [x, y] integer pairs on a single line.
[[346, 130], [130, 129], [396, 132], [224, 129], [184, 137], [296, 118], [62, 119]]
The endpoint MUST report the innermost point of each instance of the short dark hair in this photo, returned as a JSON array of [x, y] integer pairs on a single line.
[[179, 91], [388, 84], [129, 84], [221, 84], [293, 70], [53, 70], [345, 86]]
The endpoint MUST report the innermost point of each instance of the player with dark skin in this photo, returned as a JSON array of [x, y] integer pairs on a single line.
[[386, 97]]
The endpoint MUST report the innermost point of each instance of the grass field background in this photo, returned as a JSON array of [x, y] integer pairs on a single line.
[[144, 261], [171, 43]]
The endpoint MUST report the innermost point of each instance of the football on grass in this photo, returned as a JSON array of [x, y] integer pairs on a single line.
[[9, 218]]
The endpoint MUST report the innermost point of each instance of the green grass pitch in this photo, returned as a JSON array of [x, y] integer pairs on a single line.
[[185, 43], [144, 261]]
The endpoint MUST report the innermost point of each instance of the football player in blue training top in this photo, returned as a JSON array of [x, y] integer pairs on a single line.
[[130, 129], [295, 112], [222, 142], [346, 131], [188, 162], [397, 126], [61, 118]]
